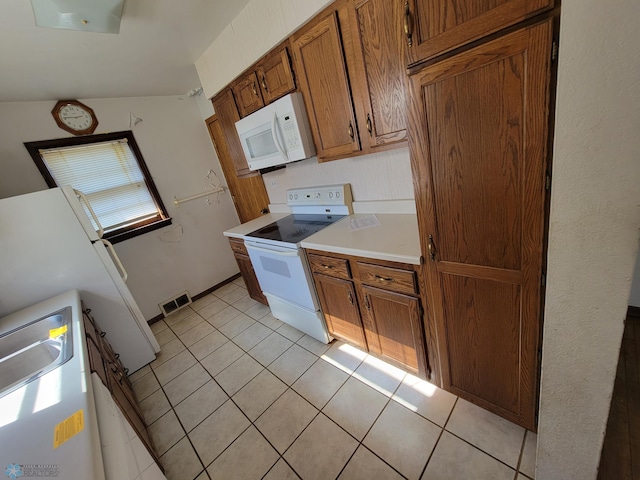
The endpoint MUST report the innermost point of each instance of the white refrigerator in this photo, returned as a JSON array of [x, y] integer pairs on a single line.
[[48, 246]]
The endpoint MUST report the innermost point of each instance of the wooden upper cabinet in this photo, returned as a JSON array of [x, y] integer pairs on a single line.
[[248, 192], [246, 91], [275, 75], [375, 49], [479, 124], [227, 113], [433, 27], [268, 80], [324, 83]]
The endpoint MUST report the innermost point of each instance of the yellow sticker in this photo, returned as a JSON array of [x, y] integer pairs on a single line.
[[68, 428], [56, 332]]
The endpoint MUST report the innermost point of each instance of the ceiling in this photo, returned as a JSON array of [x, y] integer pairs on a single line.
[[154, 53]]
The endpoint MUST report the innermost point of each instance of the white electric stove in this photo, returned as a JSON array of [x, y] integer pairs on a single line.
[[280, 264]]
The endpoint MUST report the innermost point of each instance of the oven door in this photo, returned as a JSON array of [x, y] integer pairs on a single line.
[[283, 272]]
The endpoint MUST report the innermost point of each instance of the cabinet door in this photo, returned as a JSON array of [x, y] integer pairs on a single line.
[[396, 326], [480, 123], [248, 192], [321, 66], [433, 27], [95, 359], [339, 304], [275, 76], [227, 113], [246, 91], [377, 71], [250, 279], [131, 412]]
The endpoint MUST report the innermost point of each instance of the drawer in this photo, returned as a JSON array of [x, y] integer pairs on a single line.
[[334, 267], [237, 245], [388, 277]]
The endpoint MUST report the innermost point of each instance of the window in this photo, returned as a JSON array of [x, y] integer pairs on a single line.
[[110, 171]]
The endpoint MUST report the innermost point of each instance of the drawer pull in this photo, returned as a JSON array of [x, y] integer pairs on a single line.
[[384, 279], [327, 266]]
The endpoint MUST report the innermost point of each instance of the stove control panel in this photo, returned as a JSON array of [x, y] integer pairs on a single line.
[[322, 195]]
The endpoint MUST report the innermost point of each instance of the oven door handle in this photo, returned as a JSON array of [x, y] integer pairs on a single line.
[[281, 253]]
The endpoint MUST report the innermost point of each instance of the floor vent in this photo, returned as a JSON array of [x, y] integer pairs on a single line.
[[176, 303]]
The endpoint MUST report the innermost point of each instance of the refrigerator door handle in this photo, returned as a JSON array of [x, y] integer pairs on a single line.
[[93, 214], [116, 259]]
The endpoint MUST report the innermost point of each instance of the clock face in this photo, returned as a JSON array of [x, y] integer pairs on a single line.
[[75, 117]]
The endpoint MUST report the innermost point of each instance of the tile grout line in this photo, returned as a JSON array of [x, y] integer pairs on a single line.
[[319, 410], [435, 445], [251, 423], [524, 442]]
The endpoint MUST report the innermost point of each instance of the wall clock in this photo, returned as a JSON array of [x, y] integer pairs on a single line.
[[74, 117]]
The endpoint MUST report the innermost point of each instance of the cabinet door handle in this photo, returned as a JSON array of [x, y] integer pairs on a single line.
[[432, 249], [102, 334], [351, 131], [366, 302], [369, 127], [384, 279], [255, 90], [408, 23], [264, 84], [350, 297]]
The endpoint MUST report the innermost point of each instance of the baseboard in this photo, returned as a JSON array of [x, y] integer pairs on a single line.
[[200, 295]]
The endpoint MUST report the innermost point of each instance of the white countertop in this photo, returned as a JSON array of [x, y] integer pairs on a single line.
[[396, 238], [241, 230], [30, 414]]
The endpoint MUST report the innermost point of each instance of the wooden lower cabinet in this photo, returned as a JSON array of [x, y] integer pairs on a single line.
[[246, 269], [374, 305], [338, 300], [395, 327], [106, 363]]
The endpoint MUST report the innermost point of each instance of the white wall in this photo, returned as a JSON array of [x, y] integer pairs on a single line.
[[595, 214], [379, 176], [634, 296], [260, 26], [177, 149]]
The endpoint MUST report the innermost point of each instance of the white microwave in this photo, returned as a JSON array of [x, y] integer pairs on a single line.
[[276, 134]]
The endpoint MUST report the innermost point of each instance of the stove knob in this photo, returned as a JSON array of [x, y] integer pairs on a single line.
[[330, 194], [317, 195], [295, 196], [290, 197], [337, 194]]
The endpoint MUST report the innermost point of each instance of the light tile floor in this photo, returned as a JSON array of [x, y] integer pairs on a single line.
[[237, 394]]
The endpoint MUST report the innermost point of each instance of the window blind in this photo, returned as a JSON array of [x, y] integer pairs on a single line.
[[110, 177]]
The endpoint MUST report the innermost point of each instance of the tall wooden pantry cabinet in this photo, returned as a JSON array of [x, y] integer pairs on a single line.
[[479, 129]]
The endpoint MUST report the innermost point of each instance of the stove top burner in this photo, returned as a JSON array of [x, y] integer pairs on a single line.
[[295, 228]]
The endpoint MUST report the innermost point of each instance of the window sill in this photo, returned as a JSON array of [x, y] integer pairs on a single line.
[[118, 237]]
